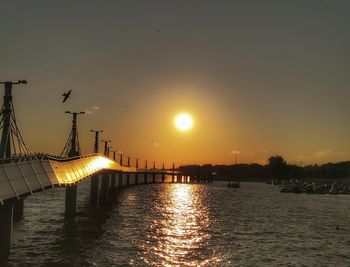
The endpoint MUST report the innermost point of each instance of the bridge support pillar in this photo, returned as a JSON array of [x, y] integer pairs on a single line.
[[163, 178], [94, 189], [104, 188], [18, 207], [153, 178], [145, 179], [71, 201], [6, 220], [127, 179], [120, 184], [113, 179], [136, 178]]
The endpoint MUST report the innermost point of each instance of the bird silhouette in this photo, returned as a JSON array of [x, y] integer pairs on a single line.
[[66, 96]]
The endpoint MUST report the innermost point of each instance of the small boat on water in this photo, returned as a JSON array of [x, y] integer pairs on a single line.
[[234, 184]]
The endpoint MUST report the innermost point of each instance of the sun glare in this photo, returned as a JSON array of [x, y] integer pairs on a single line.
[[183, 122]]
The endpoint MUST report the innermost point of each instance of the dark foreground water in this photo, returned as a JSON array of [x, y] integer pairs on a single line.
[[186, 225]]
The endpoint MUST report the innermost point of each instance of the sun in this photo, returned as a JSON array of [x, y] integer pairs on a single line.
[[183, 122]]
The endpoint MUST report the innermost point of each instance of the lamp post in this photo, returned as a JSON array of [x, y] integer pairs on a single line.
[[7, 210], [95, 180], [97, 133], [121, 158], [5, 147], [74, 149], [108, 150], [105, 177], [106, 146], [114, 154]]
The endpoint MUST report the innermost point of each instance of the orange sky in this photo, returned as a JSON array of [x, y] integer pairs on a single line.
[[259, 80]]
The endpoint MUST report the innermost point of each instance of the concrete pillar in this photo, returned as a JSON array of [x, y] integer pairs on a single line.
[[6, 215], [128, 174], [127, 179], [94, 189], [71, 201], [173, 174], [120, 179], [163, 178], [18, 207], [136, 179], [104, 188], [179, 178], [154, 175], [113, 184], [145, 178]]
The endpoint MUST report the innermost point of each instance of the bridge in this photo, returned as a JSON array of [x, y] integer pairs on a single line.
[[23, 173]]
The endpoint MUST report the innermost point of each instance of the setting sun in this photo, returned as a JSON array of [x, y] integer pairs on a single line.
[[183, 122]]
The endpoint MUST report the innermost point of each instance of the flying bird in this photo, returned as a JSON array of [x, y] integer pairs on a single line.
[[66, 96], [155, 143]]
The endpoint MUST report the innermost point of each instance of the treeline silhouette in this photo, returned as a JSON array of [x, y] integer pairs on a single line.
[[276, 168]]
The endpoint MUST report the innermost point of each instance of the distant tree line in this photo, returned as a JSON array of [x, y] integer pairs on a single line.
[[277, 168]]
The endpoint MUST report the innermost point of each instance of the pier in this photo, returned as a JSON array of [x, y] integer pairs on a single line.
[[24, 173]]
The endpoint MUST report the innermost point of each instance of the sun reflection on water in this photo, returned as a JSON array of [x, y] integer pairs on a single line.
[[180, 233]]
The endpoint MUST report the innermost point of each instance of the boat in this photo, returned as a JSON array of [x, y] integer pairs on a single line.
[[234, 184]]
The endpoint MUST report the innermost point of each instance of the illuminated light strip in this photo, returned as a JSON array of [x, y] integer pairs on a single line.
[[66, 172], [72, 172]]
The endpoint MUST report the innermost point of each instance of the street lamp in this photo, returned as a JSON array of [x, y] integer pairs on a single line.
[[97, 133], [106, 148], [121, 157]]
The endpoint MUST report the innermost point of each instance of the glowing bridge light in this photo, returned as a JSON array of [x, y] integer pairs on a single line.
[[75, 170]]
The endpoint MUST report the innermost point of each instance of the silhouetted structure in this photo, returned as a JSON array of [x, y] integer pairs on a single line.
[[262, 173], [12, 145], [72, 147], [277, 167], [95, 179]]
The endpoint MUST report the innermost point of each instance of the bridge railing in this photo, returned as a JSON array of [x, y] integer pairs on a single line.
[[18, 178], [41, 156], [27, 174]]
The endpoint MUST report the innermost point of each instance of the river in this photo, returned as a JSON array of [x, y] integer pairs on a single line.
[[186, 225]]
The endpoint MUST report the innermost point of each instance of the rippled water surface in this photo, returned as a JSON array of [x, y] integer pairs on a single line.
[[186, 225]]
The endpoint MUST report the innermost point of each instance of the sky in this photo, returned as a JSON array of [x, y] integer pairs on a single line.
[[259, 77]]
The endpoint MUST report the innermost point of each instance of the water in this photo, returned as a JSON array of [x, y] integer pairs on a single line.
[[186, 225]]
